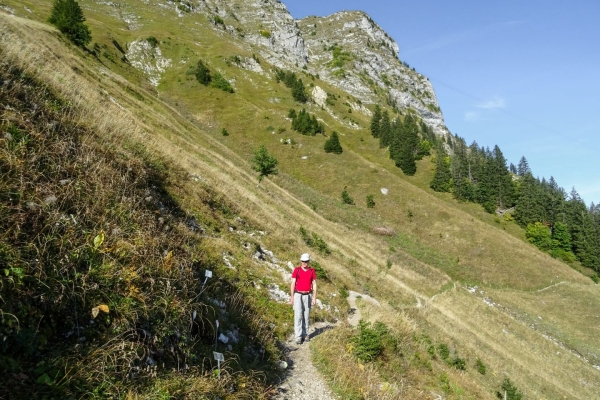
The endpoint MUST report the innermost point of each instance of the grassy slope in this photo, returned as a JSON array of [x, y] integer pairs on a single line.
[[459, 240]]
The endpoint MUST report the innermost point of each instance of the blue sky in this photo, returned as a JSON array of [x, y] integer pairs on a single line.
[[524, 75]]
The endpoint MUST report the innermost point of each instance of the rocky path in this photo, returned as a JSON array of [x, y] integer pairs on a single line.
[[302, 380]]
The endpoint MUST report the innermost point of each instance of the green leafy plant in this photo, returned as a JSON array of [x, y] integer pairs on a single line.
[[370, 201], [510, 390], [480, 366], [219, 82], [315, 241], [368, 343], [346, 199]]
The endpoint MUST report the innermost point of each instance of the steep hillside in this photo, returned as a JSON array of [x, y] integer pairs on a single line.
[[447, 275]]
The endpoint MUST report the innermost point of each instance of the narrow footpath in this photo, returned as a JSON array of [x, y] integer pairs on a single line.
[[302, 381]]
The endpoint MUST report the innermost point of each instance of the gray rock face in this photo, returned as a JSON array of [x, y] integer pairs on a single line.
[[267, 24], [367, 64]]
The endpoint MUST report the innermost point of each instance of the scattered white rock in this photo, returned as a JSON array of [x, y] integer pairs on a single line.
[[384, 191], [149, 59]]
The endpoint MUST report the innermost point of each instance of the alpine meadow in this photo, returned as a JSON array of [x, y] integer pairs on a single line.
[[165, 163]]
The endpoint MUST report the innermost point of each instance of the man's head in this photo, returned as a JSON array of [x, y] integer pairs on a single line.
[[305, 258]]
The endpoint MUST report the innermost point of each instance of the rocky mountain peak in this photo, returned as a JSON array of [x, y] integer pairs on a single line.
[[349, 50]]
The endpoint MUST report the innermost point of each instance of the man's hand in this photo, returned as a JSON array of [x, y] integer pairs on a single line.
[[292, 299], [314, 300]]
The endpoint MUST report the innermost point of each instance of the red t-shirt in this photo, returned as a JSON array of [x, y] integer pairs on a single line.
[[304, 279]]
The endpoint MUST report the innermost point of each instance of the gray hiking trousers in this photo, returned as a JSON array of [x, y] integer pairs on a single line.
[[302, 305]]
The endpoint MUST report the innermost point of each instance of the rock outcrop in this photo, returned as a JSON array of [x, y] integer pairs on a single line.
[[349, 50]]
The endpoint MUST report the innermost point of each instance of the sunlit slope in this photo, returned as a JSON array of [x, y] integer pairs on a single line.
[[435, 242]]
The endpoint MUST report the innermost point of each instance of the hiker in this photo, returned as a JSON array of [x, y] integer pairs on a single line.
[[303, 293]]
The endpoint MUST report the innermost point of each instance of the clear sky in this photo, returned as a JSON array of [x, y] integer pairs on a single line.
[[524, 75]]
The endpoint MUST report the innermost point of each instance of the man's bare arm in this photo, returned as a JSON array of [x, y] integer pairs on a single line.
[[292, 288]]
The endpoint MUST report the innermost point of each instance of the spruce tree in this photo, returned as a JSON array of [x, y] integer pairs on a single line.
[[523, 167], [441, 181], [396, 139], [385, 130], [298, 91], [375, 122], [332, 145], [68, 17], [202, 73], [410, 141], [264, 163]]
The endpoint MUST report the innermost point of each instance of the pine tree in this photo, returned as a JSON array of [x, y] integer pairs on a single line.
[[298, 91], [68, 17], [441, 181], [264, 163], [529, 208], [375, 122], [202, 73], [523, 167], [396, 139], [332, 145], [385, 130], [410, 141]]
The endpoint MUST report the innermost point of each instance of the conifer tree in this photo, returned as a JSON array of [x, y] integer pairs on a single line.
[[529, 208], [264, 163], [396, 139], [441, 181], [523, 167], [68, 17], [410, 141], [202, 73], [332, 145], [375, 122], [385, 130], [298, 91]]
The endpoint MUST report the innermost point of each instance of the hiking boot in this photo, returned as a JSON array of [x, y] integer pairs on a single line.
[[298, 341], [307, 338]]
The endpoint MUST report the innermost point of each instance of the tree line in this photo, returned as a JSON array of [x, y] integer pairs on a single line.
[[555, 221], [408, 139]]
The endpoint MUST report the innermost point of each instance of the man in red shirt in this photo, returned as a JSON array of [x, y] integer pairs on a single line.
[[303, 295]]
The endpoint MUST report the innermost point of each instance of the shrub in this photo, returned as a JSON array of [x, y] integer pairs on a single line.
[[368, 344], [458, 363], [539, 235], [218, 20], [321, 273], [68, 18], [219, 82], [315, 241], [370, 201], [346, 199], [265, 33], [332, 145], [202, 73], [443, 351], [512, 393], [480, 366], [152, 41], [224, 132]]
